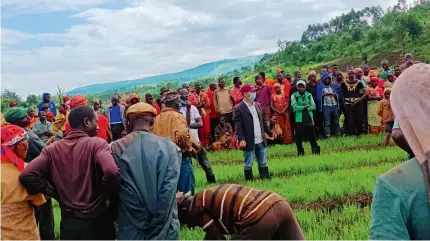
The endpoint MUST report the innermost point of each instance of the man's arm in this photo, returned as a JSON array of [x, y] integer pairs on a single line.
[[104, 158], [237, 119], [293, 228], [216, 101], [167, 193], [50, 130], [198, 120], [181, 134], [36, 175], [295, 105], [312, 105], [35, 146]]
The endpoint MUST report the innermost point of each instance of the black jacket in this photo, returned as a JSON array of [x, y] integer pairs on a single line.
[[244, 124]]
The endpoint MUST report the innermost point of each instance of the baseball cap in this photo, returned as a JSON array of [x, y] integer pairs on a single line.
[[301, 82], [247, 88]]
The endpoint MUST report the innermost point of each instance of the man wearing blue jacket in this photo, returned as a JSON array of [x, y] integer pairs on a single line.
[[47, 100], [328, 104]]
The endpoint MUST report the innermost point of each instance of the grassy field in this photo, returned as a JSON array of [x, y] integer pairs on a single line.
[[330, 193]]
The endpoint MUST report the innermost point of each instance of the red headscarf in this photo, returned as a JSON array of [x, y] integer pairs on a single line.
[[10, 135], [50, 116], [65, 99], [78, 100], [12, 103], [131, 97]]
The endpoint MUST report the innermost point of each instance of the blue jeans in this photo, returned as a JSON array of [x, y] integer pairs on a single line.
[[331, 120], [186, 180], [260, 154]]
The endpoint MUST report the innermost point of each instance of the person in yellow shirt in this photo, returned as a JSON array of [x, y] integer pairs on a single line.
[[18, 221]]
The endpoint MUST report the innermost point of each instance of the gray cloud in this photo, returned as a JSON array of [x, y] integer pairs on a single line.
[[155, 37]]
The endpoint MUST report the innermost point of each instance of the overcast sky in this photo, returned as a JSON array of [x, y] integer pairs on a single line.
[[72, 43]]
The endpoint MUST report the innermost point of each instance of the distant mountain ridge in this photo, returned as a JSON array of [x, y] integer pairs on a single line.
[[209, 69]]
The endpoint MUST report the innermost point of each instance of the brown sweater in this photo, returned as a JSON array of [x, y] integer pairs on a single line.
[[223, 101], [231, 205]]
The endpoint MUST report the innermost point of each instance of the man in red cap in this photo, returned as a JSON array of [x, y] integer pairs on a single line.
[[251, 126]]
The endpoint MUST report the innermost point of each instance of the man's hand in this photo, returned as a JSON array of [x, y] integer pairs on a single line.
[[306, 106], [274, 136], [242, 144], [107, 203]]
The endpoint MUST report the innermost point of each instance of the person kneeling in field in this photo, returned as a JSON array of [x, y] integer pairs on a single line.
[[243, 212], [224, 136]]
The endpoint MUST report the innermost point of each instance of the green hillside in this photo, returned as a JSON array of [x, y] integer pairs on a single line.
[[355, 38]]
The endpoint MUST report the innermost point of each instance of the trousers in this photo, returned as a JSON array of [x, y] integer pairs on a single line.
[[45, 220], [117, 130], [331, 120], [75, 228], [203, 161], [306, 130], [260, 152], [186, 181]]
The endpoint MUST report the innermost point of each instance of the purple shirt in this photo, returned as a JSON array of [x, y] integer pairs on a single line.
[[263, 96], [79, 171]]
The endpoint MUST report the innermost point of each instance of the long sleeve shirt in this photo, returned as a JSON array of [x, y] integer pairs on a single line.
[[223, 101], [78, 171], [171, 123], [230, 205]]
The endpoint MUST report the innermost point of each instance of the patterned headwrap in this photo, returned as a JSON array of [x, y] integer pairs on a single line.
[[170, 96], [11, 135], [78, 100], [14, 114]]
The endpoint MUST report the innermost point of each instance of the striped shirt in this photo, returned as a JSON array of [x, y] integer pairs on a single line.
[[230, 205]]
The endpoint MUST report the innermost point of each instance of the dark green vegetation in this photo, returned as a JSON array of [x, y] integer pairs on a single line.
[[354, 38], [330, 193]]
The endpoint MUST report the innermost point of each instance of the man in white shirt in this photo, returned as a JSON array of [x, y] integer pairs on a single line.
[[251, 126], [195, 122]]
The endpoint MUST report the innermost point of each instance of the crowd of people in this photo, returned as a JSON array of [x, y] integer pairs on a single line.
[[139, 170]]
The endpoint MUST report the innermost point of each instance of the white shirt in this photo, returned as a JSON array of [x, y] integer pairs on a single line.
[[194, 112], [258, 136]]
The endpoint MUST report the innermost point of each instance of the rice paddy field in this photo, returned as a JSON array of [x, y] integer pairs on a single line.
[[330, 193]]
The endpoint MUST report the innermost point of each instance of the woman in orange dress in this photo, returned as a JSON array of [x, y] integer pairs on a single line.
[[279, 106]]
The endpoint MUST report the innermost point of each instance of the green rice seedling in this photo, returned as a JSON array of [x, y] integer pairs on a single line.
[[329, 145], [307, 164], [322, 185], [319, 224]]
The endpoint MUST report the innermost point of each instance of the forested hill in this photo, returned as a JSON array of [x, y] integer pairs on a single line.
[[354, 38], [209, 69]]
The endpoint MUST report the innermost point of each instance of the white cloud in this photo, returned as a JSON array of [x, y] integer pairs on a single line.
[[18, 7], [153, 37]]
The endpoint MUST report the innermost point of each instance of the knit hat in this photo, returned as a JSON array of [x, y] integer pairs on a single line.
[[15, 113]]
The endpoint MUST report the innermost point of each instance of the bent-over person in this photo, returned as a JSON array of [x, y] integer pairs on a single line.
[[243, 212]]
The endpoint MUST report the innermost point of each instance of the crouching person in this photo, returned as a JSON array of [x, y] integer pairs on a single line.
[[244, 213]]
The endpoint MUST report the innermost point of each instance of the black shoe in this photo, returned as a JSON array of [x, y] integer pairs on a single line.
[[211, 178], [316, 150], [264, 173], [248, 175]]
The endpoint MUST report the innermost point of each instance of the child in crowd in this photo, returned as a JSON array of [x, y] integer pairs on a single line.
[[385, 111]]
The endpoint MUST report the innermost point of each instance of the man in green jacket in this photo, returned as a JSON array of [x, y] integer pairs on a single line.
[[303, 104]]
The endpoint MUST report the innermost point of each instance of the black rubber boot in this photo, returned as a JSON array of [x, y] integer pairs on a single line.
[[301, 151], [248, 175], [316, 150], [264, 173], [211, 179]]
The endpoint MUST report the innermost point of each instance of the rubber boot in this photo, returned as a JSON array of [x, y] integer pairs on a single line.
[[211, 179], [300, 151], [248, 175], [264, 173], [316, 150]]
